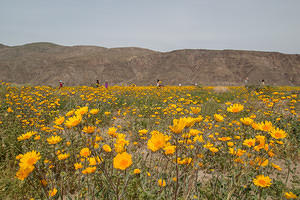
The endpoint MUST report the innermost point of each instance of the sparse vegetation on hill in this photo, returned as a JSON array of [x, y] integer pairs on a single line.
[[47, 63]]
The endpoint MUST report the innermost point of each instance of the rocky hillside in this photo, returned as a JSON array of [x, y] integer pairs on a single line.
[[47, 63]]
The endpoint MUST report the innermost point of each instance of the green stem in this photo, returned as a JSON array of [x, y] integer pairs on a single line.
[[177, 171]]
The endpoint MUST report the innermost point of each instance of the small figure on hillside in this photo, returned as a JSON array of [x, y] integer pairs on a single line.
[[97, 83], [246, 80], [106, 84], [263, 82], [158, 83], [61, 84]]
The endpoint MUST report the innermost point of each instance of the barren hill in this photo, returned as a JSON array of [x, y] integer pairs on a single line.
[[47, 63]]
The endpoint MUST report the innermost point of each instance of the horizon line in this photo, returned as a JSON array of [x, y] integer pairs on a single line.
[[208, 49]]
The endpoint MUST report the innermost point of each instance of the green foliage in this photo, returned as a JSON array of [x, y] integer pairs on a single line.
[[209, 175]]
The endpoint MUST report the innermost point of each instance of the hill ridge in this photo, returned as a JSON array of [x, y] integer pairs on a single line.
[[46, 63]]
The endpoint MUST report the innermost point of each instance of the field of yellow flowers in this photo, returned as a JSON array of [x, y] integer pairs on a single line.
[[149, 143]]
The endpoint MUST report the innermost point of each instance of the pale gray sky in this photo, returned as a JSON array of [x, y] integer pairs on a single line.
[[164, 25]]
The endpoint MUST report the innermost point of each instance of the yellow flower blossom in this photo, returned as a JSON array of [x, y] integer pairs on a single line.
[[122, 161], [73, 121], [278, 133], [54, 139], [161, 182], [170, 149], [224, 139], [290, 195], [262, 181], [246, 120], [157, 141], [89, 170], [106, 148], [143, 131], [82, 110], [85, 152], [24, 172], [52, 192], [235, 108], [59, 120], [112, 131], [195, 110], [89, 129], [26, 136], [218, 117], [94, 111], [178, 125], [266, 126], [29, 159], [63, 156], [276, 167], [78, 166], [249, 142]]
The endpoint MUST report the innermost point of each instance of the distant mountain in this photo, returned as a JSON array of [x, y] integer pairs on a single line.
[[47, 63], [2, 46]]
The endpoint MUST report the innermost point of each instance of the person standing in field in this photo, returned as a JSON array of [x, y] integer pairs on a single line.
[[158, 83], [246, 80], [61, 84], [97, 83]]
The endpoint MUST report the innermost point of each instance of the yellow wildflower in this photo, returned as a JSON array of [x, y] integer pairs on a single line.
[[262, 181], [170, 149], [82, 110], [52, 192], [178, 125], [278, 133], [195, 110], [246, 120], [94, 111], [29, 159], [161, 182], [106, 148], [85, 152], [122, 161], [26, 136], [63, 156], [78, 166], [89, 170], [89, 129], [73, 121], [59, 120], [218, 117], [24, 172], [249, 142], [157, 141], [290, 195], [266, 126], [276, 167], [235, 108], [54, 139]]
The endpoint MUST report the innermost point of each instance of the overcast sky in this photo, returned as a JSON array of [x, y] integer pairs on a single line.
[[164, 25]]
